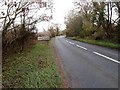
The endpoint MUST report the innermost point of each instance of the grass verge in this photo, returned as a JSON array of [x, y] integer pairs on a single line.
[[33, 68], [105, 43]]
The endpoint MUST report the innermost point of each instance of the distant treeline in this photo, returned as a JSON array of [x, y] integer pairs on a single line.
[[94, 20]]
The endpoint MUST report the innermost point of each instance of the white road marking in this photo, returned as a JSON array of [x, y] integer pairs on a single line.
[[71, 43], [66, 40], [106, 57], [81, 47], [96, 53]]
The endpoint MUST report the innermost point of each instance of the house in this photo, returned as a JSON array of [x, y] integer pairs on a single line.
[[43, 36]]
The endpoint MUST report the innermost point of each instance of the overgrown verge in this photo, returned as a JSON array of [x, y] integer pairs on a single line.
[[106, 43], [33, 68]]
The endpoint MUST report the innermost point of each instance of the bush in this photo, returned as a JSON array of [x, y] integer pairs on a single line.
[[14, 42]]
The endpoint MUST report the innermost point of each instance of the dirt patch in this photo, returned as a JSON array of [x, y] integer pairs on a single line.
[[42, 63]]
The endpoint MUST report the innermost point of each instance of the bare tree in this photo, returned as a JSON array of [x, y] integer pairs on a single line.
[[15, 30]]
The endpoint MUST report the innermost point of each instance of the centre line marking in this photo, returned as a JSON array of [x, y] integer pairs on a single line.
[[71, 43], [81, 47], [106, 57], [66, 40]]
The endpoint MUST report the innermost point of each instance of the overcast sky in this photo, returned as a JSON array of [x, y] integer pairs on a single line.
[[62, 7]]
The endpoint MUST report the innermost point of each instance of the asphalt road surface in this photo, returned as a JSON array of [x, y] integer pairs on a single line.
[[87, 65]]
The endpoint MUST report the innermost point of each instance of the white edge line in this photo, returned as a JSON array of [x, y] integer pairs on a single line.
[[81, 47], [106, 57]]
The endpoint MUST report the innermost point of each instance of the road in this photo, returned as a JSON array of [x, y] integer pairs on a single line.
[[87, 65]]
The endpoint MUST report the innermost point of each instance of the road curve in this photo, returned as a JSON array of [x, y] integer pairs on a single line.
[[87, 65]]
